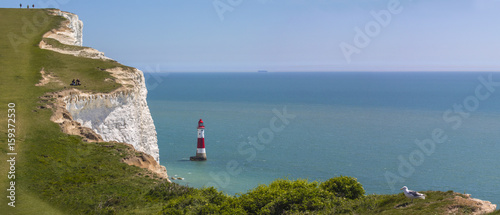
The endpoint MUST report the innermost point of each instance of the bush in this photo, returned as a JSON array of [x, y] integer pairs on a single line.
[[178, 199], [344, 186], [166, 191], [284, 195]]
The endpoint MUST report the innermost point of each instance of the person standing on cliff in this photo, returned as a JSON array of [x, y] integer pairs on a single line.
[[33, 6], [21, 5]]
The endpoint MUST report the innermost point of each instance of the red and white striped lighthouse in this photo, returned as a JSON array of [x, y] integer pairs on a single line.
[[201, 154]]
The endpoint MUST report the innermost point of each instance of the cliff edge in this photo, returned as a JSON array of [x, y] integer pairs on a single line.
[[122, 115]]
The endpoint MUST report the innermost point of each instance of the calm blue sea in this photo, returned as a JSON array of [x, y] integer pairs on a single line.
[[311, 125]]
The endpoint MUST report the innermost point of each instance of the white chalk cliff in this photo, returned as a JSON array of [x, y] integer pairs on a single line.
[[122, 115], [71, 33]]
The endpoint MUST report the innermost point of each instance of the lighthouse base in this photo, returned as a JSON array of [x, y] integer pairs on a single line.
[[199, 157], [194, 158]]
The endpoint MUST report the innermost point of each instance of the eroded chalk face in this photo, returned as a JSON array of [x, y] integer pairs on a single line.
[[121, 116]]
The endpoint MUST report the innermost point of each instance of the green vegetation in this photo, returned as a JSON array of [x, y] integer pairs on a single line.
[[285, 196], [58, 45], [58, 173], [344, 186]]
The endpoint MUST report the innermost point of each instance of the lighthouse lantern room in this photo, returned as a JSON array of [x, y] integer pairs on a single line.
[[201, 154]]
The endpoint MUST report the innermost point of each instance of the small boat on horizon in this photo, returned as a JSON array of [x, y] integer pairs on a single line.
[[262, 71]]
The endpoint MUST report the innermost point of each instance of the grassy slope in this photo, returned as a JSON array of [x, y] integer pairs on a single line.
[[59, 174], [54, 168], [16, 86]]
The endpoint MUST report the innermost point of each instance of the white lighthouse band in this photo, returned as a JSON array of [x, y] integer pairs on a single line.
[[201, 133], [200, 150]]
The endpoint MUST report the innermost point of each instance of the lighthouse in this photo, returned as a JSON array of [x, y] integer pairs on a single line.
[[201, 154]]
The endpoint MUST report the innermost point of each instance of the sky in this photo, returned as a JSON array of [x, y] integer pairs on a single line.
[[291, 35]]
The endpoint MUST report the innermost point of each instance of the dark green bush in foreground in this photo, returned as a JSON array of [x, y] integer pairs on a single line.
[[178, 199], [344, 186], [284, 195]]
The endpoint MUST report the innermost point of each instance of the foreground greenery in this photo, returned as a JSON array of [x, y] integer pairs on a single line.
[[301, 197], [60, 174]]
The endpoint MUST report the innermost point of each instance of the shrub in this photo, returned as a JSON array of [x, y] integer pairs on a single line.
[[166, 191], [344, 186], [179, 199], [284, 195]]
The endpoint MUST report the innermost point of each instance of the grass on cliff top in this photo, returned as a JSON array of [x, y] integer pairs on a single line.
[[60, 174], [21, 33], [58, 45]]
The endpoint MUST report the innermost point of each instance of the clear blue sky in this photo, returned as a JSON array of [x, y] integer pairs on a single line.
[[291, 35]]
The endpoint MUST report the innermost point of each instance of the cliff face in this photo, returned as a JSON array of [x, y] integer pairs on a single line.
[[122, 115], [71, 33]]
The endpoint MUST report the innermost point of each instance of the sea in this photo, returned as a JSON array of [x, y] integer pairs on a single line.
[[423, 130]]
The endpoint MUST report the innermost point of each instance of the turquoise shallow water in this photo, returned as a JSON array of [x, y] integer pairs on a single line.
[[357, 124]]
